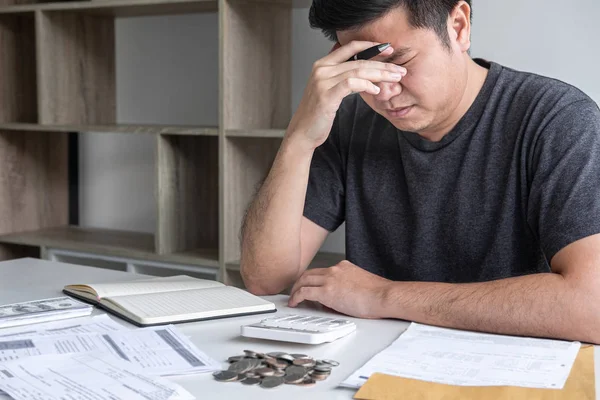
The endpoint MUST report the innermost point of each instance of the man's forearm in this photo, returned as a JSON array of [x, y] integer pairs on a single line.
[[542, 305], [271, 230]]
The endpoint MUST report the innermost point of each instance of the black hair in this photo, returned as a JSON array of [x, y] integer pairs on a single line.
[[339, 15]]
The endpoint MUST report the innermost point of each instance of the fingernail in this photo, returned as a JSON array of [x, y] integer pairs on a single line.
[[396, 76]]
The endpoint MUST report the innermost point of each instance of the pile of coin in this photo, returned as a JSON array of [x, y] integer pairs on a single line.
[[274, 369]]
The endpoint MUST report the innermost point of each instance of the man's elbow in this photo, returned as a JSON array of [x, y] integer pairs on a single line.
[[260, 286], [585, 316]]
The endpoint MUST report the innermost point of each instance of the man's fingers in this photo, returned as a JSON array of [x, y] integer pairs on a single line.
[[305, 293], [343, 53], [313, 277], [353, 85], [371, 75], [366, 64]]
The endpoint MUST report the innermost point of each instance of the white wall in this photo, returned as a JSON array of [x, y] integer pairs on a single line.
[[164, 62], [548, 37]]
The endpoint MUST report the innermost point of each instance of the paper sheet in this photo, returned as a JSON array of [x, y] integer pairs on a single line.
[[83, 377], [580, 385], [157, 351], [463, 358], [93, 325]]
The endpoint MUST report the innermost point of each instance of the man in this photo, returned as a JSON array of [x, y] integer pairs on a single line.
[[469, 190]]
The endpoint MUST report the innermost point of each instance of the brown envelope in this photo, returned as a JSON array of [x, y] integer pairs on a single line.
[[579, 386]]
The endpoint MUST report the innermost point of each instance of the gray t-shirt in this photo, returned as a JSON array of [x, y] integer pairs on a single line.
[[514, 182]]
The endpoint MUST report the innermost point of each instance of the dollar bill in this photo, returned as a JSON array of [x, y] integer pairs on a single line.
[[29, 309]]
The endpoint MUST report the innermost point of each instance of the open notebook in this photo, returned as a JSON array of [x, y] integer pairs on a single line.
[[170, 300]]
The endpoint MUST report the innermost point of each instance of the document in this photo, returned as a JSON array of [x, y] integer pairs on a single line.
[[94, 325], [87, 376], [464, 358], [156, 351]]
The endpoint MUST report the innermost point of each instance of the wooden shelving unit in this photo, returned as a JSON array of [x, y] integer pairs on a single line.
[[57, 77]]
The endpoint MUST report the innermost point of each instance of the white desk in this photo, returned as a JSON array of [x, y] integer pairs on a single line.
[[29, 279]]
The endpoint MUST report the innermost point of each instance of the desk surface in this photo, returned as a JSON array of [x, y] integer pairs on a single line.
[[29, 279]]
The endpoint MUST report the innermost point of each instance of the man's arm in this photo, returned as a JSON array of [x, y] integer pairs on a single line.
[[564, 304], [278, 243]]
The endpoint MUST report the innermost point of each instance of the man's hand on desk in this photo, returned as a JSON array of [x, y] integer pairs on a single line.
[[345, 288]]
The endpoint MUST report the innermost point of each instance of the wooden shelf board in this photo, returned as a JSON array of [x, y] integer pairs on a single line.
[[111, 243], [120, 8], [255, 133], [321, 260], [204, 257], [118, 128]]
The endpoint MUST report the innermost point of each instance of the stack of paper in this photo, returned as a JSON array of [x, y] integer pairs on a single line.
[[83, 376], [464, 358], [96, 355], [36, 311], [580, 386]]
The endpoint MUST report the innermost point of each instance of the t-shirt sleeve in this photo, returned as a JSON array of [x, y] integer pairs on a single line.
[[564, 195], [325, 194]]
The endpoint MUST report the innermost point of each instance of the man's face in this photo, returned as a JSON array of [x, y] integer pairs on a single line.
[[425, 99]]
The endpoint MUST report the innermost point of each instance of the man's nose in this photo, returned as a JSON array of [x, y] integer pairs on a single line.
[[388, 90]]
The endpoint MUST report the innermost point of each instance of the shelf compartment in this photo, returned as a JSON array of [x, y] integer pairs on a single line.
[[255, 64], [188, 193], [33, 181], [108, 242], [76, 68], [120, 8], [247, 161], [18, 94], [144, 129]]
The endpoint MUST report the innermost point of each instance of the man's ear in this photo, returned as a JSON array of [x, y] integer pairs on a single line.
[[460, 25]]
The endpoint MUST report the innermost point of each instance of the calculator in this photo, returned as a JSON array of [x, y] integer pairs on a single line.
[[299, 329]]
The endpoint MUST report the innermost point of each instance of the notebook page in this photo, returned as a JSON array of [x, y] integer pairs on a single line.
[[154, 285], [201, 303]]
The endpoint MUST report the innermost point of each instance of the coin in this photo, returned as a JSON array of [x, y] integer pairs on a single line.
[[322, 368], [319, 376], [277, 363], [235, 359], [294, 374], [299, 355], [251, 381], [226, 376], [241, 366], [251, 354], [276, 354], [264, 371], [305, 362], [270, 382], [286, 357], [331, 362], [279, 372], [295, 369]]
